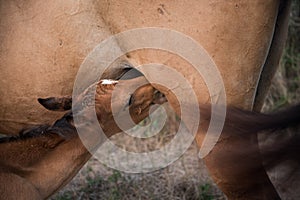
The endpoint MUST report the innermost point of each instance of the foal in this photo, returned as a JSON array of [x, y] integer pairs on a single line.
[[43, 159], [232, 156]]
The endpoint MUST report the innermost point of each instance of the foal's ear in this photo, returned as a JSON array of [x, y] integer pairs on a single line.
[[56, 103]]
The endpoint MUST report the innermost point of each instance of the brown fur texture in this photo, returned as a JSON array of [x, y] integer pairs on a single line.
[[236, 153]]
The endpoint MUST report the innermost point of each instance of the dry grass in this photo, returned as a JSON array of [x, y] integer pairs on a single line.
[[187, 178]]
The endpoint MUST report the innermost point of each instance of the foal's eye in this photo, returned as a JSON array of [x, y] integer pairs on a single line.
[[131, 99]]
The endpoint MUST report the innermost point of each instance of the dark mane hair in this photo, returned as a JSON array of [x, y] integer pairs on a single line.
[[60, 127], [27, 133]]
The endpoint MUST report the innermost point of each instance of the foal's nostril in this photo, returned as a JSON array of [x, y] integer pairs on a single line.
[[159, 98], [158, 94]]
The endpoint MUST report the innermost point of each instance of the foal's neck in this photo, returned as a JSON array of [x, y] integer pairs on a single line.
[[47, 156], [19, 152]]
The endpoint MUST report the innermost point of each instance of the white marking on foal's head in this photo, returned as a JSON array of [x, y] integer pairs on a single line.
[[108, 82]]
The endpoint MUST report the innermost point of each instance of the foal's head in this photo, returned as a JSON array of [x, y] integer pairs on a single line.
[[111, 99]]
